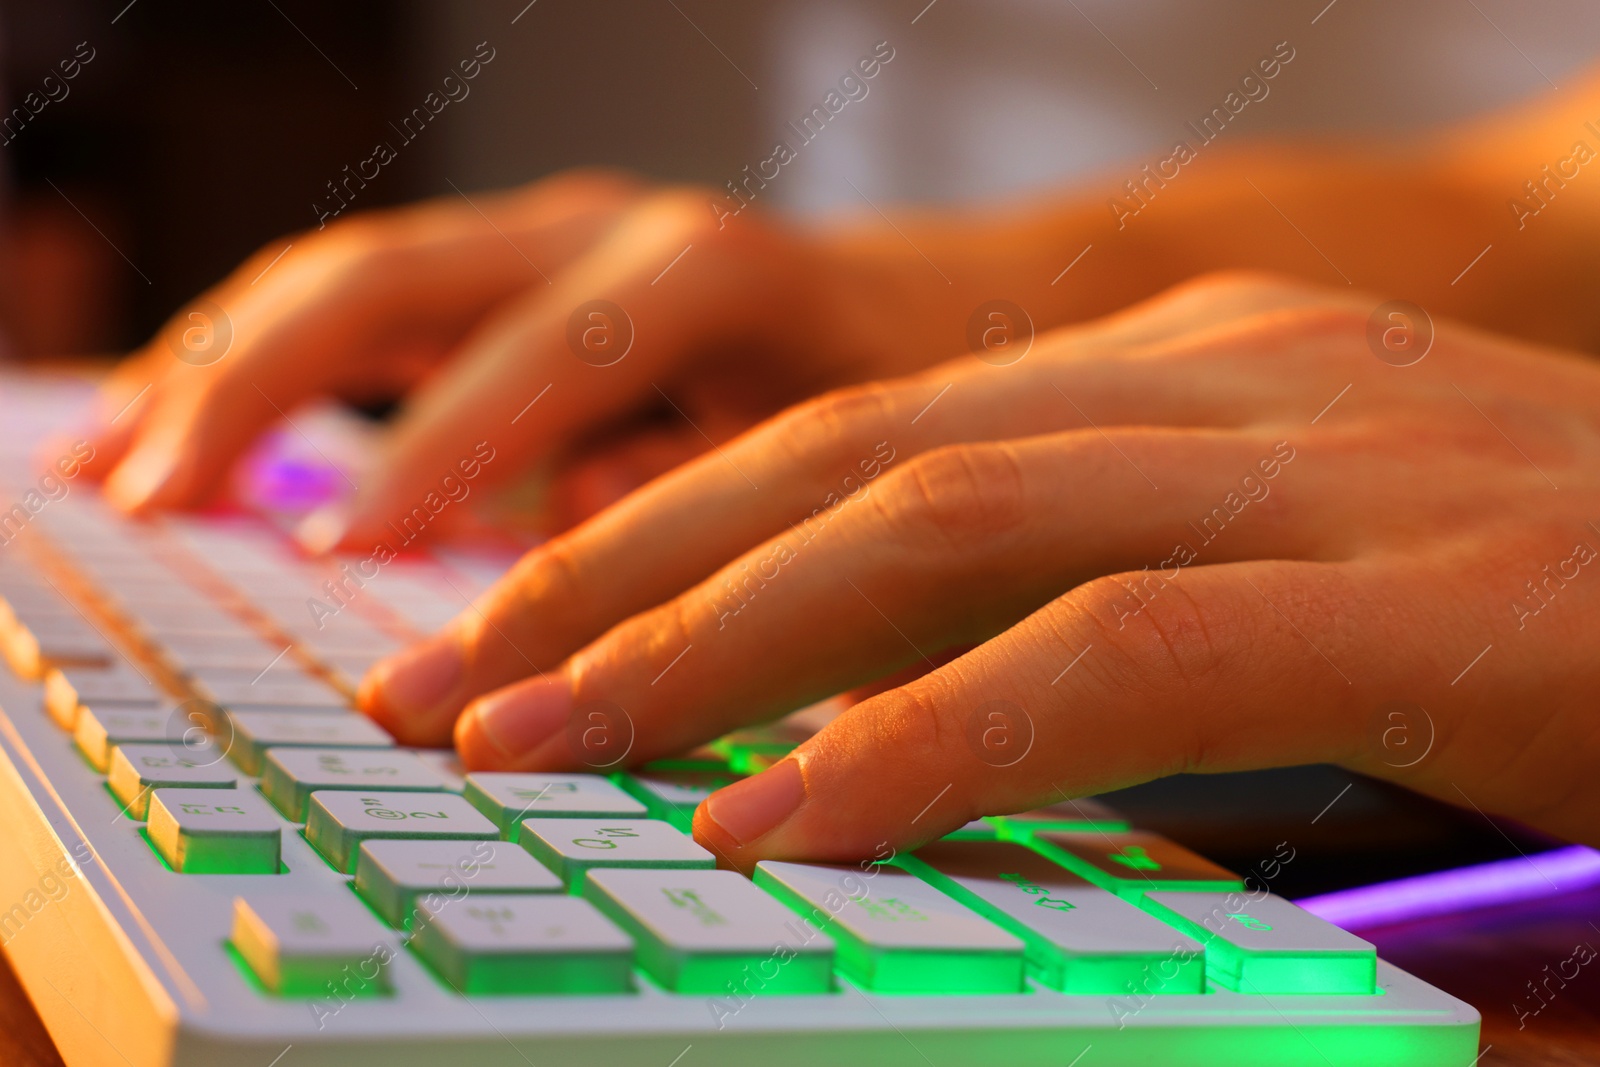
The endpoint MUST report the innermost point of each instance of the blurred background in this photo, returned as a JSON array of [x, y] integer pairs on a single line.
[[191, 133]]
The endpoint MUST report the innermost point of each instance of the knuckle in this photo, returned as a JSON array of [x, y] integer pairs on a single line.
[[957, 498], [1163, 647], [1236, 283], [830, 428], [545, 585]]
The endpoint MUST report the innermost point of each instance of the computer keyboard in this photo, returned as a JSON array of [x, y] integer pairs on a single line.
[[208, 857]]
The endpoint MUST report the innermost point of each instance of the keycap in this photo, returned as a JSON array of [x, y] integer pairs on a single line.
[[753, 748], [210, 831], [313, 945], [508, 798], [66, 689], [296, 690], [105, 726], [195, 652], [395, 875], [290, 775], [1135, 862], [254, 732], [36, 645], [1080, 938], [674, 795], [1083, 815], [708, 931], [571, 847], [1264, 944], [135, 770], [895, 933], [976, 830], [338, 820], [541, 943]]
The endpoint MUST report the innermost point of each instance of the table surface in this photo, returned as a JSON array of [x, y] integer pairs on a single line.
[[1484, 957]]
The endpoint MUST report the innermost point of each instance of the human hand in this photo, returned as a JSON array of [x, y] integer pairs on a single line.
[[482, 307], [1214, 532]]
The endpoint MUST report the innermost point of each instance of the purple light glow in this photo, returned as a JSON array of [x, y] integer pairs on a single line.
[[1485, 885]]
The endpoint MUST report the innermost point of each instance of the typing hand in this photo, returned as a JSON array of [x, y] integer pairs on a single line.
[[1214, 532], [486, 306]]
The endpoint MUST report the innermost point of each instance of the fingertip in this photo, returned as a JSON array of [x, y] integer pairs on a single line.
[[413, 693], [510, 728], [143, 478], [737, 821], [323, 530]]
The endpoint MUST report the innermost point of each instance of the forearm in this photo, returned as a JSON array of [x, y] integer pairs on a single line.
[[1407, 221]]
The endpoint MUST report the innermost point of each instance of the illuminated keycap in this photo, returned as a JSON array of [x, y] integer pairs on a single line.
[[1083, 815], [895, 933], [508, 798], [136, 770], [524, 943], [338, 820], [700, 931], [209, 831], [674, 795], [1264, 944], [1135, 862], [313, 945], [395, 875], [1080, 938], [290, 775], [254, 732], [572, 846]]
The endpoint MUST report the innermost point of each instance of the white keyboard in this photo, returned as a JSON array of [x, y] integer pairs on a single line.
[[208, 857]]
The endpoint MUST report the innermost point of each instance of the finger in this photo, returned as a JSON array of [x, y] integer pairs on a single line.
[[951, 549], [1233, 666], [600, 478], [793, 471], [320, 311], [633, 312]]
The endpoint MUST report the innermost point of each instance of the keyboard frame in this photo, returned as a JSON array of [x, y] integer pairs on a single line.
[[111, 967]]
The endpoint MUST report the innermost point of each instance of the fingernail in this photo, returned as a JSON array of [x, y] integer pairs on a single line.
[[323, 529], [140, 476], [756, 806], [414, 682], [517, 719]]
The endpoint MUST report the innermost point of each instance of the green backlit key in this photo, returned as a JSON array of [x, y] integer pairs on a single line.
[[313, 945], [572, 846], [1135, 862], [673, 795], [711, 931], [254, 732], [508, 798], [495, 943], [209, 831], [136, 770], [1083, 815], [396, 875], [1264, 944], [338, 820], [895, 933], [290, 775], [1080, 938]]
